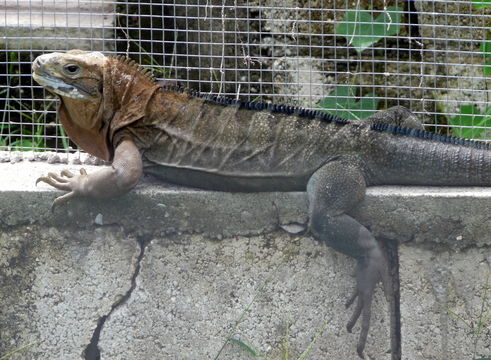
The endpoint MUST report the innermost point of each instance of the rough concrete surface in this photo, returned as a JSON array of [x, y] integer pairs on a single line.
[[55, 284], [210, 257], [191, 292], [445, 303]]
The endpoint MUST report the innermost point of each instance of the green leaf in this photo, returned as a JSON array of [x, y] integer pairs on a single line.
[[244, 346], [486, 48], [362, 30], [479, 4], [319, 333], [470, 115], [342, 102], [24, 144], [64, 138], [486, 51], [487, 68], [8, 355]]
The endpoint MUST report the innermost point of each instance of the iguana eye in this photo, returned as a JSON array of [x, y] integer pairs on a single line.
[[72, 69]]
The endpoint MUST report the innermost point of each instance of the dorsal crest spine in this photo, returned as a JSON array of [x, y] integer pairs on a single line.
[[417, 133], [147, 72], [324, 116]]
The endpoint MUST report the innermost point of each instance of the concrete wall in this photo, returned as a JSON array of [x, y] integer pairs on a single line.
[[171, 273], [50, 24]]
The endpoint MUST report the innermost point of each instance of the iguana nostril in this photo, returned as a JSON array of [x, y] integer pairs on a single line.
[[38, 62]]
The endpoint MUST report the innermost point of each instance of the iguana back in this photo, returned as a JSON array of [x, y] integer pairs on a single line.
[[222, 144], [249, 150]]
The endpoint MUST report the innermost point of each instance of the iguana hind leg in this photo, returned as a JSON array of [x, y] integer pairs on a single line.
[[332, 191]]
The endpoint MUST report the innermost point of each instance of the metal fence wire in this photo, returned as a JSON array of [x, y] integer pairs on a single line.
[[347, 57]]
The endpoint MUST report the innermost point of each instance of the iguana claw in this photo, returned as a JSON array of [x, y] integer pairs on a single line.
[[64, 182], [369, 272], [363, 307]]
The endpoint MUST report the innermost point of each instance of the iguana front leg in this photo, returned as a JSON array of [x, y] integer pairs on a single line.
[[123, 174], [332, 191]]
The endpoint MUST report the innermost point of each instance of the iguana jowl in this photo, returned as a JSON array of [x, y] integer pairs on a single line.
[[113, 109]]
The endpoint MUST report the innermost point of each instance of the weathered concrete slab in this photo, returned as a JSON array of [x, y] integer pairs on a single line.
[[445, 303], [279, 289], [55, 284], [62, 272]]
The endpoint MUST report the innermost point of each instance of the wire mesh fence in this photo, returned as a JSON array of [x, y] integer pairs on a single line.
[[347, 57]]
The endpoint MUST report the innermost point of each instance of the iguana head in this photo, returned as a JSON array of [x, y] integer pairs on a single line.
[[75, 74], [99, 95]]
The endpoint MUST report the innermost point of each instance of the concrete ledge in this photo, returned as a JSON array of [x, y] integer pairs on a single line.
[[147, 271], [454, 217]]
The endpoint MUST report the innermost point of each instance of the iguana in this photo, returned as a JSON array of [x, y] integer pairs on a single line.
[[112, 108]]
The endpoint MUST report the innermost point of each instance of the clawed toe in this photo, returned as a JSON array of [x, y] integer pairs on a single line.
[[61, 199], [351, 299], [64, 181], [368, 274], [363, 309], [55, 181], [356, 313]]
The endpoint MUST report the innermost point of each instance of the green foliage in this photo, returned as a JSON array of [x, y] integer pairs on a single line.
[[476, 125], [362, 30], [23, 121], [479, 4], [486, 48], [343, 103], [25, 138], [486, 52], [8, 355], [243, 346], [235, 338], [247, 309], [319, 333], [486, 44], [285, 355], [480, 322]]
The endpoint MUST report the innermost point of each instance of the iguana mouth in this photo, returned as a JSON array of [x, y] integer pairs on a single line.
[[59, 87]]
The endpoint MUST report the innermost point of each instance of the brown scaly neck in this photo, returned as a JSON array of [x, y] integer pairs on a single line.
[[82, 120], [127, 91]]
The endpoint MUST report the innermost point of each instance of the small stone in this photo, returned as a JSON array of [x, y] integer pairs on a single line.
[[16, 157], [76, 160], [89, 160], [99, 219], [53, 158], [293, 228], [30, 156], [4, 156]]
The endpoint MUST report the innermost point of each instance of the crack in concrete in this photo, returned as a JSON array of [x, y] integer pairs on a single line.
[[92, 351], [392, 251]]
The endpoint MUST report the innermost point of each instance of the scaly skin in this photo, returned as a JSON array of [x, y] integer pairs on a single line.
[[113, 110]]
